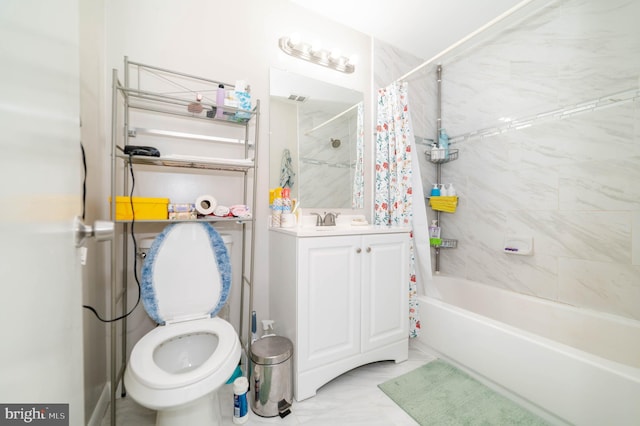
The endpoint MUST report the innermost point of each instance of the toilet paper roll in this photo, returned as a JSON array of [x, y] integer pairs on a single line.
[[206, 204]]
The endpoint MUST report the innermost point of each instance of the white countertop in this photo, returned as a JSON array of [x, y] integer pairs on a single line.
[[329, 231]]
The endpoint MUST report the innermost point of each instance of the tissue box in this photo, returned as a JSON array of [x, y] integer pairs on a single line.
[[145, 208]]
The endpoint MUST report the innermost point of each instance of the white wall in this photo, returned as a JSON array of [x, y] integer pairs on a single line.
[[568, 183], [95, 273]]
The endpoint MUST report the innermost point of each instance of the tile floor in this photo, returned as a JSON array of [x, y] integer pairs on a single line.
[[353, 398]]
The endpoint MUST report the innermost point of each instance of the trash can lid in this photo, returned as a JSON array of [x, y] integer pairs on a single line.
[[271, 350]]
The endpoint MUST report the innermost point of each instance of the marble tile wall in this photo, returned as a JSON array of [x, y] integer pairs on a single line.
[[327, 172], [571, 183]]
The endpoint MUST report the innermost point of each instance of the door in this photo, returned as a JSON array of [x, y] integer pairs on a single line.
[[328, 300], [385, 289], [40, 194]]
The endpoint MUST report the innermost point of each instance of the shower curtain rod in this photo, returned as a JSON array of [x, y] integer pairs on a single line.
[[335, 117], [489, 24]]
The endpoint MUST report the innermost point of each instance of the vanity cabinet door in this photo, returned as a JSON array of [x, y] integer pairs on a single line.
[[385, 288], [328, 300]]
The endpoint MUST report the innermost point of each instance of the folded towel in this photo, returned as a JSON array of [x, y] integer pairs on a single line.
[[221, 211], [286, 170], [444, 204], [240, 210]]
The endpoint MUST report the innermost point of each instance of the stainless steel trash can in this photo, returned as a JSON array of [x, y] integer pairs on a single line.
[[271, 376]]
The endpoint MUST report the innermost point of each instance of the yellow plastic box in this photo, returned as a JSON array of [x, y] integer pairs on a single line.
[[145, 208]]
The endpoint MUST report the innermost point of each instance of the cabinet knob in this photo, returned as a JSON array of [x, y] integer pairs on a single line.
[[368, 249], [358, 250]]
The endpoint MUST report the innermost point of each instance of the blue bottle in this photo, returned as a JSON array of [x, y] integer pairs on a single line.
[[443, 142], [435, 191], [240, 403]]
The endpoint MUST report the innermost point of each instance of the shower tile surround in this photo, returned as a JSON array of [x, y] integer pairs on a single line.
[[570, 183], [321, 184]]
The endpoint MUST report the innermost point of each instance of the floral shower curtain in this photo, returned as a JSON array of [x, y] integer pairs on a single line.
[[357, 201], [393, 176]]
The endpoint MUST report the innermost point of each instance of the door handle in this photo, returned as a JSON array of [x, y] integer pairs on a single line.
[[102, 230]]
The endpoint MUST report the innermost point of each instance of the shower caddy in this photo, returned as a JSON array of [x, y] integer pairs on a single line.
[[453, 155], [237, 129]]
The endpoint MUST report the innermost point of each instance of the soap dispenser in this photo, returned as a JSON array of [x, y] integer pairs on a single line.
[[452, 191], [434, 234], [434, 229]]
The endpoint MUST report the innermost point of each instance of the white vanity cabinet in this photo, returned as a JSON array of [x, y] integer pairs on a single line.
[[341, 299]]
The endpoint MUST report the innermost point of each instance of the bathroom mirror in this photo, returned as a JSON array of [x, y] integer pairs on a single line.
[[316, 141]]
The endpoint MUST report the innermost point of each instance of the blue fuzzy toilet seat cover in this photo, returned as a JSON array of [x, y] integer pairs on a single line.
[[186, 274]]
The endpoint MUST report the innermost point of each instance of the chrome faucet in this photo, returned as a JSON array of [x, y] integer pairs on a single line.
[[319, 220], [329, 219]]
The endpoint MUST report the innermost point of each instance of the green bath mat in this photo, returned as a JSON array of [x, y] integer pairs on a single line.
[[439, 394]]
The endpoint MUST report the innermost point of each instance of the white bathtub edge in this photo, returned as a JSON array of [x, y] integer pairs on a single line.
[[556, 378]]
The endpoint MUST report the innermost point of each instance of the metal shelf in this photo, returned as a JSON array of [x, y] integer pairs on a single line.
[[453, 155], [169, 94], [447, 243], [191, 163], [204, 219]]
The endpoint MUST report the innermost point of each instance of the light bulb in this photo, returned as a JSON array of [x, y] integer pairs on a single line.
[[316, 46], [294, 39]]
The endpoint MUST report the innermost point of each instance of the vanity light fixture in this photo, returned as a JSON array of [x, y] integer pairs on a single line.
[[313, 52]]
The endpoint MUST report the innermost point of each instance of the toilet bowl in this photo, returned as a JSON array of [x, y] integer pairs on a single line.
[[177, 368]]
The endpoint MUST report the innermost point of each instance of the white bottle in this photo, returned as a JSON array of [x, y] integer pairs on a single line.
[[435, 152], [240, 403], [452, 191]]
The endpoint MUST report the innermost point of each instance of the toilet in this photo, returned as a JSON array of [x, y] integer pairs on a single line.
[[177, 368]]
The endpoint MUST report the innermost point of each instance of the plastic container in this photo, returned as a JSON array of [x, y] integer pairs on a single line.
[[271, 376], [145, 208], [435, 191], [240, 403]]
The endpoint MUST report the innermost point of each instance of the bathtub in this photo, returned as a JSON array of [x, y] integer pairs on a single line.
[[571, 365]]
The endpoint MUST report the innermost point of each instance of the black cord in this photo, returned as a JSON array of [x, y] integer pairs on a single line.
[[135, 246], [84, 182]]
